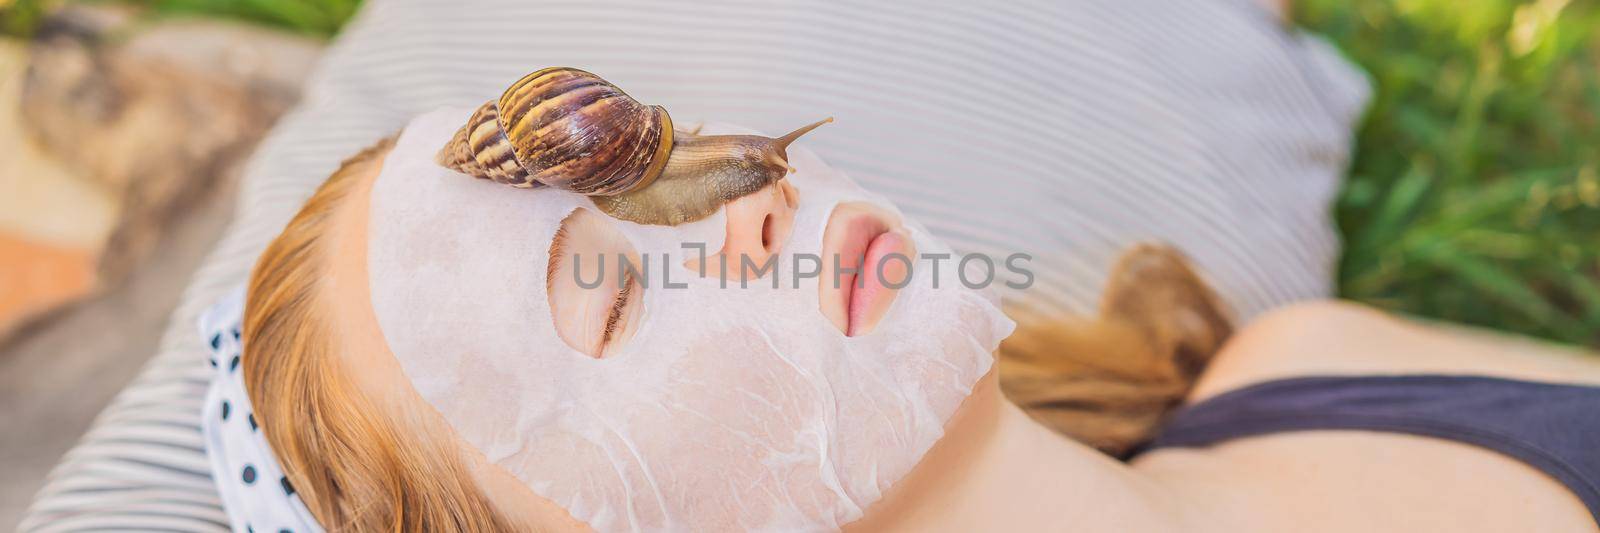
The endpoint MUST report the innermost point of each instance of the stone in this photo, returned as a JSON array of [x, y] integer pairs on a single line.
[[124, 122], [52, 222]]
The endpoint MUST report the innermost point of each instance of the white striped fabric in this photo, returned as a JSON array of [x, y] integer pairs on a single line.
[[1062, 129]]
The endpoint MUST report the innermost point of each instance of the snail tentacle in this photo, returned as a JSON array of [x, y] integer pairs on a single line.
[[704, 173]]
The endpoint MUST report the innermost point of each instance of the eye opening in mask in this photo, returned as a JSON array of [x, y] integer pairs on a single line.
[[592, 284]]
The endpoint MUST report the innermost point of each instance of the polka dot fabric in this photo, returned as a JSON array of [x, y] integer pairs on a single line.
[[255, 494]]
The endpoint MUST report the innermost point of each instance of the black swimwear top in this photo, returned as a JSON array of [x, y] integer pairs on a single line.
[[1553, 427]]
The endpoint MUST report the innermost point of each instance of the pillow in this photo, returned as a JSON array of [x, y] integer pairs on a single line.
[[1061, 131]]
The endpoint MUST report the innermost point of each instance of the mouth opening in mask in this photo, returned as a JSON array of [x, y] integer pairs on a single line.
[[870, 255]]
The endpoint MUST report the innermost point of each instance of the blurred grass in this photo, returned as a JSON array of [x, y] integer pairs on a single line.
[[20, 17], [321, 18], [317, 18], [1474, 195]]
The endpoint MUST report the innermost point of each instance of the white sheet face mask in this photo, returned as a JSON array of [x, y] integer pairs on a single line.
[[729, 408]]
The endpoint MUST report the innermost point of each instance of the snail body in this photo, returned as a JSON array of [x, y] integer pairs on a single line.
[[568, 129]]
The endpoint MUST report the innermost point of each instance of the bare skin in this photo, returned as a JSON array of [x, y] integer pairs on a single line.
[[997, 469], [1366, 481]]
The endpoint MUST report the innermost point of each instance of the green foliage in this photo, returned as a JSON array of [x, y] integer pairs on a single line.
[[1474, 195], [319, 18], [19, 17]]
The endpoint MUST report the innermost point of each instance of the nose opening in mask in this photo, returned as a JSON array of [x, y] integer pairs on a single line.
[[769, 235], [758, 226]]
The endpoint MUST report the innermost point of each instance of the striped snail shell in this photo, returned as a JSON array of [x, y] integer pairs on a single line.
[[569, 129]]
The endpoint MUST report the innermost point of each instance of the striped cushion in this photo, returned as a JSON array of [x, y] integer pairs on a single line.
[[1060, 129]]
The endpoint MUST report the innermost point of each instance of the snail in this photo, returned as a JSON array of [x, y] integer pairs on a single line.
[[568, 129]]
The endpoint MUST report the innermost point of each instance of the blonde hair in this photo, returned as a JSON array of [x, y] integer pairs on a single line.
[[1111, 380], [345, 458]]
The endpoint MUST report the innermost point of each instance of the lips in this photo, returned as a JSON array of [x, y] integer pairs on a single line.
[[871, 295], [874, 255]]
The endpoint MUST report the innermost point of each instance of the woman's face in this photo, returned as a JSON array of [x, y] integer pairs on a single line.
[[745, 372]]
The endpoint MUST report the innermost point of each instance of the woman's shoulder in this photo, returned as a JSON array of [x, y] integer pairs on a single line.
[[1329, 337]]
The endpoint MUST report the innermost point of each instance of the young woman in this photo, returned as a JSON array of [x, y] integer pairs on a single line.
[[1321, 416]]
